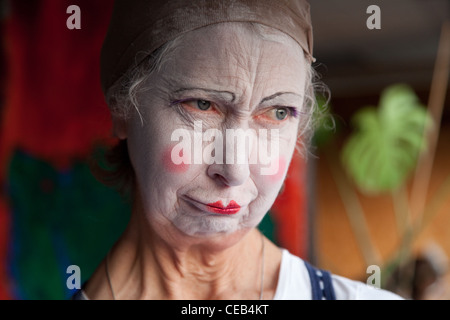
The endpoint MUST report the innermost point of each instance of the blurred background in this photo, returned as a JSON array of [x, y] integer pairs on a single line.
[[401, 224], [374, 191]]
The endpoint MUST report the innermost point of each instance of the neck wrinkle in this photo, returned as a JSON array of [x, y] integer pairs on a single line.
[[189, 270]]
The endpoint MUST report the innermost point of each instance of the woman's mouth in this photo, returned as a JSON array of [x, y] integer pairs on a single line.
[[218, 207]]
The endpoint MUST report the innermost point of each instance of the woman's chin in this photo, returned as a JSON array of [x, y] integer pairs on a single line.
[[217, 236], [206, 225]]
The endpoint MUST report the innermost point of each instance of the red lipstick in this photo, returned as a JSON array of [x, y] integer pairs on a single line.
[[217, 207]]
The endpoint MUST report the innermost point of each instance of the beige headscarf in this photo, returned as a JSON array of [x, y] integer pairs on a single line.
[[138, 27]]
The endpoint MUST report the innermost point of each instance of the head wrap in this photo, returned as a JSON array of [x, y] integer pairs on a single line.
[[138, 27]]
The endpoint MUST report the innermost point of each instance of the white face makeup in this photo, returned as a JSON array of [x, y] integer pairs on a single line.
[[225, 77]]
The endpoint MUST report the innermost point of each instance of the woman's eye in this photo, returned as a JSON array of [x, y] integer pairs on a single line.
[[281, 113], [203, 105]]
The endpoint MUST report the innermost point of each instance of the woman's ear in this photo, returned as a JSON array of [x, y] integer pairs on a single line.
[[119, 128]]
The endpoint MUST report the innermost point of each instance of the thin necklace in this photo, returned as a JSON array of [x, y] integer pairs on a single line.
[[262, 271], [107, 275], [262, 268]]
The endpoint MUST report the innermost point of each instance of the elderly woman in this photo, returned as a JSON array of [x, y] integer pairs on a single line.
[[186, 82]]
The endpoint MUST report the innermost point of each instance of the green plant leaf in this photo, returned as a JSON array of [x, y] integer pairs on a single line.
[[383, 150]]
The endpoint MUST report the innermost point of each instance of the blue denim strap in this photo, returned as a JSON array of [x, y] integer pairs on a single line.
[[321, 283]]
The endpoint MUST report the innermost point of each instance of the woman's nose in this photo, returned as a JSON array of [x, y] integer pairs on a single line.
[[230, 175], [234, 170]]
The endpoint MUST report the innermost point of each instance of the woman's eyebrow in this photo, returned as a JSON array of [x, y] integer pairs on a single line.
[[275, 95], [225, 95]]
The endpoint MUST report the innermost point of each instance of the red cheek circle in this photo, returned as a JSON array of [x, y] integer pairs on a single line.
[[277, 176], [170, 166]]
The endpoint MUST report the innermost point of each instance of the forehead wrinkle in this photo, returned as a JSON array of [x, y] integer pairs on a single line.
[[255, 62], [244, 70], [235, 61]]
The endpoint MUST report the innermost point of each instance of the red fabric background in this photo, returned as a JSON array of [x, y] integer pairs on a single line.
[[290, 210], [54, 107]]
